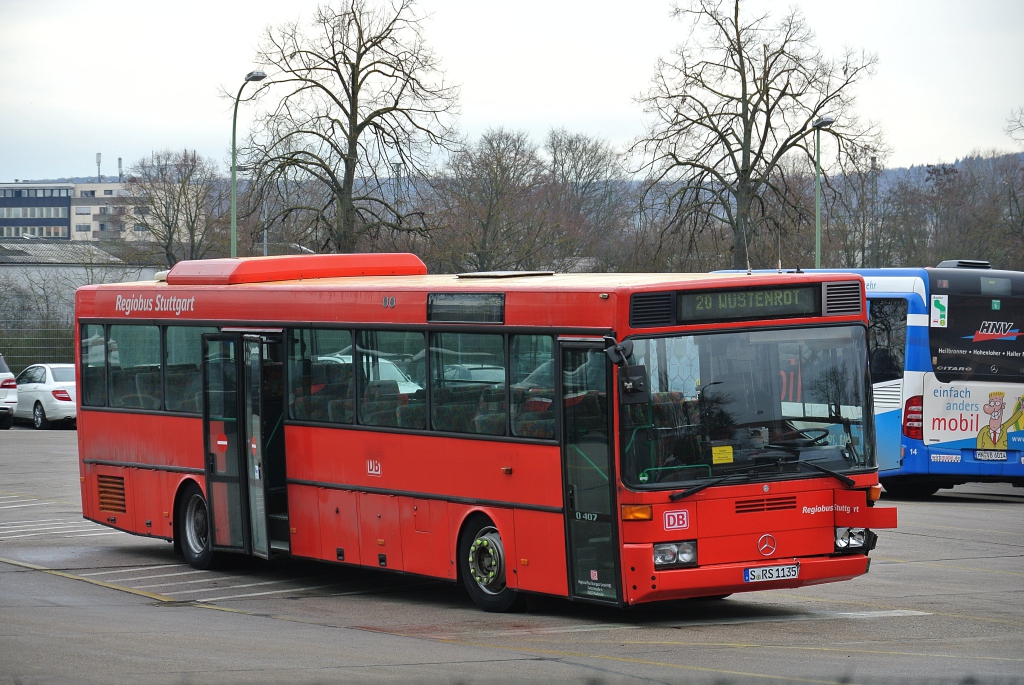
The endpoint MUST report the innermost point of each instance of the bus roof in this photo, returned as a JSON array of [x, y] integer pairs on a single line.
[[391, 289]]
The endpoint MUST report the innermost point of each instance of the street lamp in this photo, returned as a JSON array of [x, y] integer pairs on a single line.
[[821, 123], [251, 76]]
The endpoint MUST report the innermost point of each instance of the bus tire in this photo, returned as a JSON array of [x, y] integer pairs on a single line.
[[483, 567], [909, 487], [192, 528]]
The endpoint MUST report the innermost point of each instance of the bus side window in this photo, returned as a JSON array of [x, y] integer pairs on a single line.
[[183, 378], [887, 338], [94, 361], [320, 373], [467, 383], [391, 365], [135, 373], [533, 386]]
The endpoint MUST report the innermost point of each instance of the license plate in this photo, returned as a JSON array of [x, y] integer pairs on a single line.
[[990, 455], [764, 573]]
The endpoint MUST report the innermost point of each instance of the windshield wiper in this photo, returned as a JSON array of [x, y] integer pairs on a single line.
[[845, 480], [676, 496]]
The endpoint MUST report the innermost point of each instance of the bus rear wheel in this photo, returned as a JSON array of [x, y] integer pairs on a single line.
[[483, 567], [909, 488], [193, 528]]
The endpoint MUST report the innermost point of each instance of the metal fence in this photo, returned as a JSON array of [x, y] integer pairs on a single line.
[[22, 345]]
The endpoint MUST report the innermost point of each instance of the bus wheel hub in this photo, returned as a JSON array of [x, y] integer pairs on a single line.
[[487, 561]]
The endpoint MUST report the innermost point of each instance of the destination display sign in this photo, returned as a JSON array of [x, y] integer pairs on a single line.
[[749, 303]]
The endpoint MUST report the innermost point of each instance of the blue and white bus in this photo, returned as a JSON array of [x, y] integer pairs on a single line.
[[946, 356]]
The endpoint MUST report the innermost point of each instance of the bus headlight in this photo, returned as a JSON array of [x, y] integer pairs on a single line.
[[675, 554], [850, 538]]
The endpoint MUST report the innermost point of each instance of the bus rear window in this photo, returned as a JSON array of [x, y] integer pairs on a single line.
[[980, 340]]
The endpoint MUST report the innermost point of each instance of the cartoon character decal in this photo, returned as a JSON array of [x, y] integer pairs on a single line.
[[993, 436]]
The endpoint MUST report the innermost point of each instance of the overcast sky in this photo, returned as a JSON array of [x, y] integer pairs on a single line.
[[125, 77]]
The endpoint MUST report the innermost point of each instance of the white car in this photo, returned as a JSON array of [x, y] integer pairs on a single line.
[[8, 395], [46, 394], [384, 370]]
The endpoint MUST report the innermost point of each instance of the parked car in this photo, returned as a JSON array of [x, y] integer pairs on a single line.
[[474, 373], [46, 394], [385, 370], [8, 395]]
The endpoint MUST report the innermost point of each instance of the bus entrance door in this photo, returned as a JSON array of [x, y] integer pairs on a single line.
[[263, 422], [242, 423], [223, 439], [588, 474], [255, 468]]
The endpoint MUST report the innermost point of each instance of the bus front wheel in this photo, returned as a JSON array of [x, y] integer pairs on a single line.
[[193, 528], [483, 566]]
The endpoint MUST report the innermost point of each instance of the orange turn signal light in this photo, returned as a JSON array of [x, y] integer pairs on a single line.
[[875, 492], [637, 512]]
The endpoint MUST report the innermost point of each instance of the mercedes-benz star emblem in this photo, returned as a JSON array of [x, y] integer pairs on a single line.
[[766, 545]]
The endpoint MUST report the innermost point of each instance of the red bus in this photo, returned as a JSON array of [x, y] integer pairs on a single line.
[[614, 438]]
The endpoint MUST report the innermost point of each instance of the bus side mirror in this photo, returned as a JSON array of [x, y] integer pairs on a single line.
[[618, 352], [633, 384]]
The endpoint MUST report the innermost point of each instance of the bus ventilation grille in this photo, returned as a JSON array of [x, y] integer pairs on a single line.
[[756, 506], [650, 309], [842, 299], [111, 489], [889, 395]]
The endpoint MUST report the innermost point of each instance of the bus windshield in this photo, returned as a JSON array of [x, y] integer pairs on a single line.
[[750, 403]]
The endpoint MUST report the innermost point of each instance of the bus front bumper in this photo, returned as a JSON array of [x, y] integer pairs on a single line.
[[644, 584]]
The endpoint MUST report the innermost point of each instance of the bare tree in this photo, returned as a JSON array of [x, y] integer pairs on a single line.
[[733, 102], [1015, 125], [487, 208], [280, 209], [358, 99], [588, 196], [856, 212], [181, 201]]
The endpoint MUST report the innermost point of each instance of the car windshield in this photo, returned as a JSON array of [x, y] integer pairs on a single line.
[[63, 374], [748, 403]]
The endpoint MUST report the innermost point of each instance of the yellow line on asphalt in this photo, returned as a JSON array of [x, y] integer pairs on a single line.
[[93, 581], [969, 530], [953, 566], [628, 660], [40, 499], [741, 645], [877, 605], [148, 595]]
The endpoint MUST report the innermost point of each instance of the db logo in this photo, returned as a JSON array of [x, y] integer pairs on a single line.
[[372, 467], [675, 520]]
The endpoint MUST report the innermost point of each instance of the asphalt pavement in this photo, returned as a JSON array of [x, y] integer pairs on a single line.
[[81, 603]]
